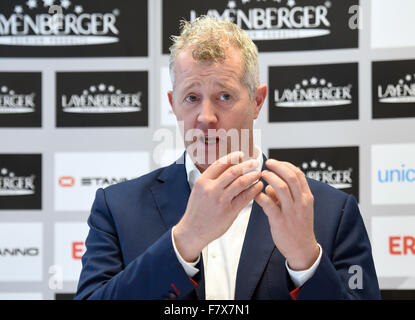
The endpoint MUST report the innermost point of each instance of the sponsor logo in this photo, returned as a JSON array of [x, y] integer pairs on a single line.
[[402, 245], [12, 102], [87, 99], [72, 27], [393, 89], [288, 21], [273, 24], [16, 252], [338, 167], [393, 245], [69, 248], [12, 185], [102, 99], [314, 93], [20, 181], [393, 174], [59, 28], [396, 175], [20, 99], [79, 175], [321, 171], [21, 252], [67, 181], [402, 92]]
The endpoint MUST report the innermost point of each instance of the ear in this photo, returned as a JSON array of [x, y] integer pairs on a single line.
[[261, 94], [170, 96]]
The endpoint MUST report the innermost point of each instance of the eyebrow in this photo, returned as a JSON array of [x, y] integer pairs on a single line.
[[218, 84], [191, 85]]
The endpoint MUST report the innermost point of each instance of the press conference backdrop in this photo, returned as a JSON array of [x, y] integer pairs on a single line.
[[85, 106]]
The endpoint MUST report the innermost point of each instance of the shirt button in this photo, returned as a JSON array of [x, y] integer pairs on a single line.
[[213, 255], [211, 298]]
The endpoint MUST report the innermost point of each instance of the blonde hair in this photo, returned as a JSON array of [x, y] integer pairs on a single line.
[[210, 37]]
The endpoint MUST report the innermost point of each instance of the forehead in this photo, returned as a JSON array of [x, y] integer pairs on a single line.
[[187, 69]]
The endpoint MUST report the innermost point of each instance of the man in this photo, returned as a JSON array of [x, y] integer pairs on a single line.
[[229, 226]]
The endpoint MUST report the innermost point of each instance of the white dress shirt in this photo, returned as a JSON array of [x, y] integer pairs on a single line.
[[221, 256]]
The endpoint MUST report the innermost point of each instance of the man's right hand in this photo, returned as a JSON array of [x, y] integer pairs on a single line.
[[217, 197]]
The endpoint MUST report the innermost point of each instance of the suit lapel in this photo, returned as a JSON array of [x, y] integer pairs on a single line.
[[171, 197], [172, 194]]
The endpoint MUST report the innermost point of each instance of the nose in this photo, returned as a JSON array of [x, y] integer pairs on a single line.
[[207, 113]]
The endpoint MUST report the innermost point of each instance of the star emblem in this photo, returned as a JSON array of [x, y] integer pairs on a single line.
[[231, 4], [48, 3], [291, 3], [31, 4], [78, 9], [18, 9], [65, 4]]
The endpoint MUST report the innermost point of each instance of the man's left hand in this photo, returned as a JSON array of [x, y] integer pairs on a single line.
[[289, 205]]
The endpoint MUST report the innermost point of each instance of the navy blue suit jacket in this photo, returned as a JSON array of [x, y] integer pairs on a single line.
[[130, 253]]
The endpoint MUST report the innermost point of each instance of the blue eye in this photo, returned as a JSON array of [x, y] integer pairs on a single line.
[[191, 98], [225, 97]]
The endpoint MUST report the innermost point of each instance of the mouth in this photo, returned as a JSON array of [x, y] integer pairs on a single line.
[[209, 140]]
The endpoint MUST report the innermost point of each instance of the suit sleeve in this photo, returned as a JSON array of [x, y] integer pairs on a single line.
[[155, 274], [349, 272]]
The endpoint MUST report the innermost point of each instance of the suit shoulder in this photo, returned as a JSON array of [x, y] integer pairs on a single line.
[[327, 198]]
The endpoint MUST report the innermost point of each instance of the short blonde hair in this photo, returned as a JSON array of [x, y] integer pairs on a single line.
[[210, 37]]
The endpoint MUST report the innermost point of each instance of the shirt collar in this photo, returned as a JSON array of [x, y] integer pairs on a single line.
[[193, 172]]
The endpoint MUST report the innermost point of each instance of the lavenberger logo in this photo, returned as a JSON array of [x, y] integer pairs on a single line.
[[102, 99], [314, 93], [11, 102], [287, 21], [339, 179], [402, 92], [12, 185], [72, 27]]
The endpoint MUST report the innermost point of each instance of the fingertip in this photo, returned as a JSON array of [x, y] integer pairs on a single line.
[[271, 162]]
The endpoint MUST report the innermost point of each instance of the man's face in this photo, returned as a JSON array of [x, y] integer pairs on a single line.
[[210, 96]]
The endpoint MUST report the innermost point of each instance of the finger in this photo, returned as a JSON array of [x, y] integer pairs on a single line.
[[289, 175], [246, 196], [281, 189], [220, 165], [300, 175], [241, 183], [236, 171], [270, 191], [268, 205]]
